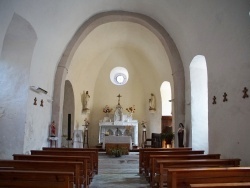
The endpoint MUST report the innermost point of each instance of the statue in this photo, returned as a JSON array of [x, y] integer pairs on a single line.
[[52, 129], [85, 101], [181, 135], [118, 113], [152, 105]]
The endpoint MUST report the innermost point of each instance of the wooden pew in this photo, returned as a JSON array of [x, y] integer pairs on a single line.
[[142, 150], [83, 159], [91, 154], [166, 164], [221, 185], [29, 165], [145, 159], [78, 149], [155, 168], [38, 179], [148, 164], [183, 177]]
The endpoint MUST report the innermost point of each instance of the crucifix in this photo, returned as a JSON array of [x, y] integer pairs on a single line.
[[119, 96], [245, 93], [35, 101], [214, 100], [225, 97]]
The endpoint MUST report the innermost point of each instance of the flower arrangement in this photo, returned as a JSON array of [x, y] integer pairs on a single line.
[[107, 109], [131, 109], [143, 124], [118, 152], [168, 136]]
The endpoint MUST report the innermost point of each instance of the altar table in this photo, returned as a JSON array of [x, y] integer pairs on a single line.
[[119, 128], [117, 140]]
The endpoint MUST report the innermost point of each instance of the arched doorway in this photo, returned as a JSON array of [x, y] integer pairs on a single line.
[[68, 114], [199, 103], [166, 102]]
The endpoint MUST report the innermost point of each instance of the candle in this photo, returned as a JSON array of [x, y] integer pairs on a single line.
[[69, 127]]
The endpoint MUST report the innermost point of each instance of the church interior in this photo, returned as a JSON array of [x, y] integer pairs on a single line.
[[92, 66]]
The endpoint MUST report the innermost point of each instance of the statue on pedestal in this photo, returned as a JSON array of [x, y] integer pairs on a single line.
[[85, 101], [152, 103], [118, 111], [181, 135], [52, 129]]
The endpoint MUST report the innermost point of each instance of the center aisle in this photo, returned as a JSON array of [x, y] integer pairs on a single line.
[[121, 172]]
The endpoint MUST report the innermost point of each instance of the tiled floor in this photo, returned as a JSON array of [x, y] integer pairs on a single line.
[[121, 172]]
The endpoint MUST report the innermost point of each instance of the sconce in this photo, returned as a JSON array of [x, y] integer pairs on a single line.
[[38, 89]]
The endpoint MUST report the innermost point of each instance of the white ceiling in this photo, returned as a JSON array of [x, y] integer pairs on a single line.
[[120, 41]]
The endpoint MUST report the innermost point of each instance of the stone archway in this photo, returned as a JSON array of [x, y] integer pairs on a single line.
[[105, 17]]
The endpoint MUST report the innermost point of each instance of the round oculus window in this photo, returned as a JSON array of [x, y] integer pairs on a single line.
[[119, 76]]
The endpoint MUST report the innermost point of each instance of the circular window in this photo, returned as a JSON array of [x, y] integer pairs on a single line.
[[119, 76]]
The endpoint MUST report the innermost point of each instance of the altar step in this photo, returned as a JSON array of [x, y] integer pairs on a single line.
[[99, 146]]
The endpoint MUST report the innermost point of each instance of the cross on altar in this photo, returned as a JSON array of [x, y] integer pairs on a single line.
[[119, 96]]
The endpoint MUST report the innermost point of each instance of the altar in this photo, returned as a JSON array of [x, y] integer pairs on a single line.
[[117, 140], [119, 129], [120, 125]]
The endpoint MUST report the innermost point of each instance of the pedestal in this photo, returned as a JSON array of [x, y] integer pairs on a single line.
[[78, 139], [86, 138], [144, 138], [53, 140]]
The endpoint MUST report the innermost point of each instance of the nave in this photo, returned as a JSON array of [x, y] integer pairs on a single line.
[[90, 168], [119, 172]]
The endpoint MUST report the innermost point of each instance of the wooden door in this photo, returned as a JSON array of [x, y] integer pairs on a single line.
[[166, 124]]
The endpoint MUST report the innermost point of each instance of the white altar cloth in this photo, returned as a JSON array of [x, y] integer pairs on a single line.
[[78, 139], [117, 139], [112, 127]]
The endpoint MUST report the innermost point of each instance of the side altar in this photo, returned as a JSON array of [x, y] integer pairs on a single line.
[[119, 126]]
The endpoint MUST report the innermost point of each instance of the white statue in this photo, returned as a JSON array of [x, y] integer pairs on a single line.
[[152, 104], [118, 113], [85, 101]]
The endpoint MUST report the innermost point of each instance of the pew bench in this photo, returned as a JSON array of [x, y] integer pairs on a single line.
[[164, 165], [91, 154], [154, 167], [141, 154], [83, 159], [221, 185], [38, 179], [96, 150], [29, 165], [146, 154], [184, 177]]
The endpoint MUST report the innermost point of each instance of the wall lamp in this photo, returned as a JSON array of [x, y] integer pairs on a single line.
[[38, 89]]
